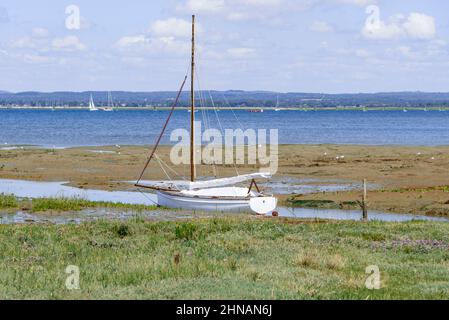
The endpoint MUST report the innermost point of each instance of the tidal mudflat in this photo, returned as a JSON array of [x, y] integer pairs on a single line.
[[401, 179]]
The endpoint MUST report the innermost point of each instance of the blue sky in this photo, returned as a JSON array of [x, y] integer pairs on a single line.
[[330, 46]]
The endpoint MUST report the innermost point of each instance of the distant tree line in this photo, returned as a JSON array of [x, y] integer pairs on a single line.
[[233, 98]]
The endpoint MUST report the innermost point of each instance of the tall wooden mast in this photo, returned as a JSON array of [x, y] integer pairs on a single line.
[[192, 113]]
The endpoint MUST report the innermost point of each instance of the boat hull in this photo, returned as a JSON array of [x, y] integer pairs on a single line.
[[222, 200], [178, 201]]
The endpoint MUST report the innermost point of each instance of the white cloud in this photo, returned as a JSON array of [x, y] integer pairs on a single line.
[[382, 31], [403, 51], [68, 43], [37, 41], [240, 52], [321, 26], [170, 36], [237, 16], [203, 6], [39, 32], [362, 53], [129, 41], [36, 59], [238, 10], [260, 2], [361, 3], [416, 26], [171, 27], [420, 26], [24, 43]]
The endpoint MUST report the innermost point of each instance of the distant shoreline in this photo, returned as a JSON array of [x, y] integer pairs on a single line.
[[254, 109]]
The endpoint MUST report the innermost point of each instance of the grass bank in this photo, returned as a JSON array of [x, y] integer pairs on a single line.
[[225, 258], [63, 204]]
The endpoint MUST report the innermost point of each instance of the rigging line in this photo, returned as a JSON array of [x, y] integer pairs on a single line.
[[204, 113], [163, 130], [168, 167], [146, 196], [201, 95], [222, 131], [203, 101], [232, 109], [162, 167], [214, 168]]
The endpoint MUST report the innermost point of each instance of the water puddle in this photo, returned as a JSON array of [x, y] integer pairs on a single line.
[[355, 215], [102, 151], [33, 189]]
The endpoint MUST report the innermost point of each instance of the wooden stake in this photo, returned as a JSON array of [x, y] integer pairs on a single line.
[[364, 201]]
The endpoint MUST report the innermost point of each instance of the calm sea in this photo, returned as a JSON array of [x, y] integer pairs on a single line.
[[136, 127]]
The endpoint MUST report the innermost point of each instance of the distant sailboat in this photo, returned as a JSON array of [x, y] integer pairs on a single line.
[[404, 110], [92, 104], [110, 106], [277, 104]]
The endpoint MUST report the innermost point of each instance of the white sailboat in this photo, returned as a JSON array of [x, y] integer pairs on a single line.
[[277, 104], [210, 195], [92, 104], [110, 106]]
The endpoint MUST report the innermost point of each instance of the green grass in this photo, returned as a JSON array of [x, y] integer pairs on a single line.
[[77, 204], [225, 258], [64, 204], [299, 203], [428, 189], [7, 201]]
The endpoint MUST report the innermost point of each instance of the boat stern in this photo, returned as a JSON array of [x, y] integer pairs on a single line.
[[263, 205]]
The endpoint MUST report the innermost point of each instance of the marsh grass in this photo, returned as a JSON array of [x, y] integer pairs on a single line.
[[62, 204], [77, 204], [301, 203], [8, 201], [225, 258]]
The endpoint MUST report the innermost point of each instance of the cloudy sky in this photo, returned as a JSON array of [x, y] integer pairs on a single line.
[[330, 46]]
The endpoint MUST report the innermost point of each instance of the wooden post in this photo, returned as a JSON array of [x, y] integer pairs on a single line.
[[364, 202]]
